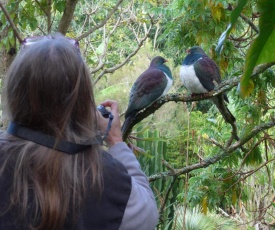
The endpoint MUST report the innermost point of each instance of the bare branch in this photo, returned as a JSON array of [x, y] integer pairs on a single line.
[[102, 23], [247, 174], [112, 69], [49, 16], [101, 62], [247, 20], [16, 32]]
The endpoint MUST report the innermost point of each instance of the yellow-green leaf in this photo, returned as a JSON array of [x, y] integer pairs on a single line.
[[246, 89], [217, 11], [204, 205]]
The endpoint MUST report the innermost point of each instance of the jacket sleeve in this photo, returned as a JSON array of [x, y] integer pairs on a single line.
[[141, 211]]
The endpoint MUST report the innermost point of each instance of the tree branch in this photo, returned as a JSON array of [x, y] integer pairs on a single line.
[[67, 16], [112, 69], [246, 19], [16, 32], [223, 87], [102, 23], [211, 160], [101, 57]]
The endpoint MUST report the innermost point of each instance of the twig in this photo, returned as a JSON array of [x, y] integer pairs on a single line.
[[16, 32], [247, 20], [112, 69], [101, 57], [102, 23], [211, 160], [167, 195], [165, 163]]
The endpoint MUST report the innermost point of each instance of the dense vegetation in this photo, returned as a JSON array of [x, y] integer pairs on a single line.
[[201, 176]]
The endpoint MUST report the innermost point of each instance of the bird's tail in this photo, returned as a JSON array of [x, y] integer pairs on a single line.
[[125, 129], [227, 115]]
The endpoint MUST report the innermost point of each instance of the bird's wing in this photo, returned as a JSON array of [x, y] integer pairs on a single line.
[[208, 73], [148, 88]]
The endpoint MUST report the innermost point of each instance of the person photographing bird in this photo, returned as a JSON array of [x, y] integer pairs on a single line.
[[54, 172]]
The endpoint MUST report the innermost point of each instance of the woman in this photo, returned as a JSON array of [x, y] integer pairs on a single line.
[[54, 173]]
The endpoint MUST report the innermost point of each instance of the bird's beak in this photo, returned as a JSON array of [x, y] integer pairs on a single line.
[[188, 51], [165, 60]]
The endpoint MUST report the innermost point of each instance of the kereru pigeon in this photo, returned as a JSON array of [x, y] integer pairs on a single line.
[[200, 75], [148, 88]]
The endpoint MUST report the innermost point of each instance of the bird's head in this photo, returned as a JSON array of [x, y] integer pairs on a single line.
[[158, 61], [195, 50]]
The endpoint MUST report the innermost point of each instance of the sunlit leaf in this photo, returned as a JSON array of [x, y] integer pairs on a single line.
[[246, 90], [234, 197], [217, 11], [100, 48], [204, 205]]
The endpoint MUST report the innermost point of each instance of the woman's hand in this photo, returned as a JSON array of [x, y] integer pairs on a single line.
[[114, 136]]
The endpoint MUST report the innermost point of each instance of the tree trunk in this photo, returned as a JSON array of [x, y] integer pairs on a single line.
[[6, 59], [67, 16]]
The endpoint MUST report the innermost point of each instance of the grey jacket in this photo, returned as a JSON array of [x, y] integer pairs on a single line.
[[141, 211]]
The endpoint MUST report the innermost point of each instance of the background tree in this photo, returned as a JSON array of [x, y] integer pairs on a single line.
[[197, 163]]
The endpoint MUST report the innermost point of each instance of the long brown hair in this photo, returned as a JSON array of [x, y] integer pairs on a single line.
[[48, 89]]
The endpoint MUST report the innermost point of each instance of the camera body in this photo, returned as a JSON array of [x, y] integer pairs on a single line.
[[104, 112]]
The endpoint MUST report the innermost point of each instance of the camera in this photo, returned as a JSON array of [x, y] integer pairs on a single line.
[[104, 112]]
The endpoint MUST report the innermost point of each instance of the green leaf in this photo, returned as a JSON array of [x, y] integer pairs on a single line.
[[153, 139], [234, 17], [254, 158], [266, 56], [59, 6], [262, 50], [100, 48], [33, 23]]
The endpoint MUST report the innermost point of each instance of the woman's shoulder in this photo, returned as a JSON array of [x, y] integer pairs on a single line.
[[108, 211], [111, 164], [5, 142], [3, 137]]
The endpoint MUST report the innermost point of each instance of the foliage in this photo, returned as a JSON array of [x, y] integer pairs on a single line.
[[181, 134], [189, 23], [262, 49], [233, 20], [195, 220], [129, 24], [152, 161]]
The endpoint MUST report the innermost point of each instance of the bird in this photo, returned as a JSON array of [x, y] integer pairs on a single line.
[[152, 84], [200, 75]]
